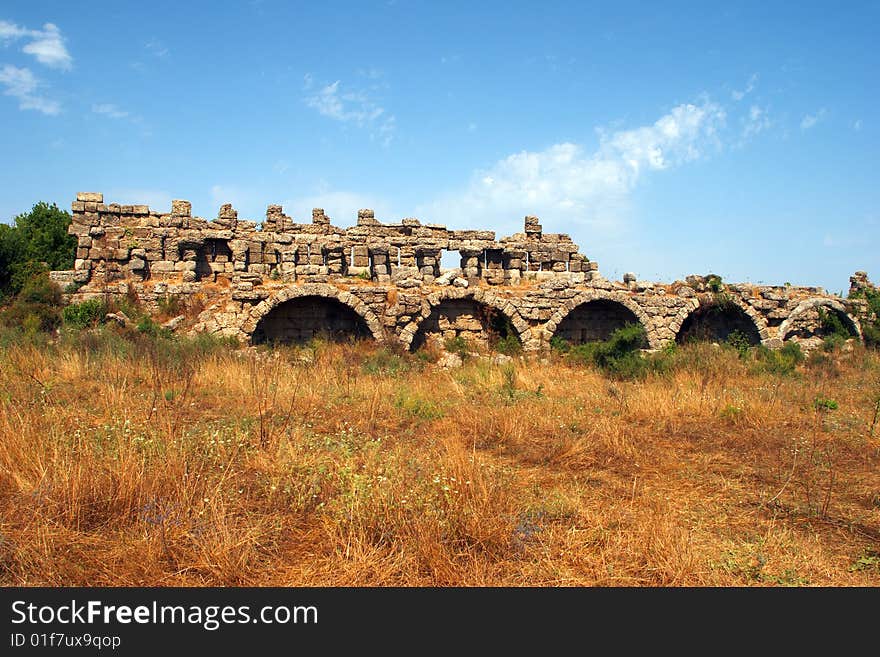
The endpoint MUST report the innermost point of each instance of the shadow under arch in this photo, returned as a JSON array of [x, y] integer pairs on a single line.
[[595, 315], [477, 315], [595, 320], [718, 320], [801, 315], [299, 313]]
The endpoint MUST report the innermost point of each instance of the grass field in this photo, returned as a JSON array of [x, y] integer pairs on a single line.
[[146, 462]]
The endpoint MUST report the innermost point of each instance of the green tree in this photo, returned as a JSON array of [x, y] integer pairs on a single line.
[[37, 242]]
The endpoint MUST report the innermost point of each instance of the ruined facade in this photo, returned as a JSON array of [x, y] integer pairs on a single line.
[[289, 281]]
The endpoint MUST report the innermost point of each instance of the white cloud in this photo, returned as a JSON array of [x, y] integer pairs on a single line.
[[811, 120], [10, 31], [46, 45], [564, 184], [755, 122], [21, 84], [351, 107], [857, 125], [156, 48], [738, 95], [110, 110]]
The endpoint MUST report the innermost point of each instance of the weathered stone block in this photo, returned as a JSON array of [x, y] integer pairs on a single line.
[[181, 208]]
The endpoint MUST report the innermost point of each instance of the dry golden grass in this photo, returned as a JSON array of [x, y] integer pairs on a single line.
[[347, 465]]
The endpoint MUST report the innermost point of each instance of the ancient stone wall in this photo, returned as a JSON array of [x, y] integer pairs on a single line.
[[288, 281]]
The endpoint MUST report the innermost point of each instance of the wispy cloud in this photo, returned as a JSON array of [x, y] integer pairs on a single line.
[[565, 184], [738, 95], [330, 101], [811, 120], [857, 125], [755, 122], [354, 107], [109, 110], [21, 84], [156, 48], [46, 45], [10, 31]]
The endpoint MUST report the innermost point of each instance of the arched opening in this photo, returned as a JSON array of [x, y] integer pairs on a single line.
[[301, 319], [595, 321], [481, 325], [820, 321], [718, 322]]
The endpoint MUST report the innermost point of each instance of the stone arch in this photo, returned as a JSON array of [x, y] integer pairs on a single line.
[[620, 299], [804, 306], [733, 307], [480, 296], [319, 290]]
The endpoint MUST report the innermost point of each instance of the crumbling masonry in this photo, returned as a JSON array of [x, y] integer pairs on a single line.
[[287, 281]]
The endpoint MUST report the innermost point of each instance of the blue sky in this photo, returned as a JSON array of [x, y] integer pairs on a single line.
[[665, 138]]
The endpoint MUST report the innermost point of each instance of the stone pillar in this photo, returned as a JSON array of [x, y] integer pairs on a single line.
[[227, 217], [381, 267], [287, 267], [361, 256], [178, 208], [471, 265], [239, 249], [366, 218], [319, 218], [513, 263], [407, 256], [274, 219], [428, 262], [533, 226], [188, 265], [335, 257]]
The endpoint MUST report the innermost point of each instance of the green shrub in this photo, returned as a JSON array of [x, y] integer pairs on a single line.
[[418, 407], [833, 342], [559, 344], [169, 304], [148, 327], [35, 308], [832, 325], [37, 242], [619, 356], [783, 361], [713, 282], [386, 362], [87, 313], [871, 333], [509, 345], [40, 289], [823, 404], [871, 323], [457, 345], [739, 341]]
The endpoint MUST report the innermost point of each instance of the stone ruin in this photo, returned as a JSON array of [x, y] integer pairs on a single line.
[[286, 281]]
